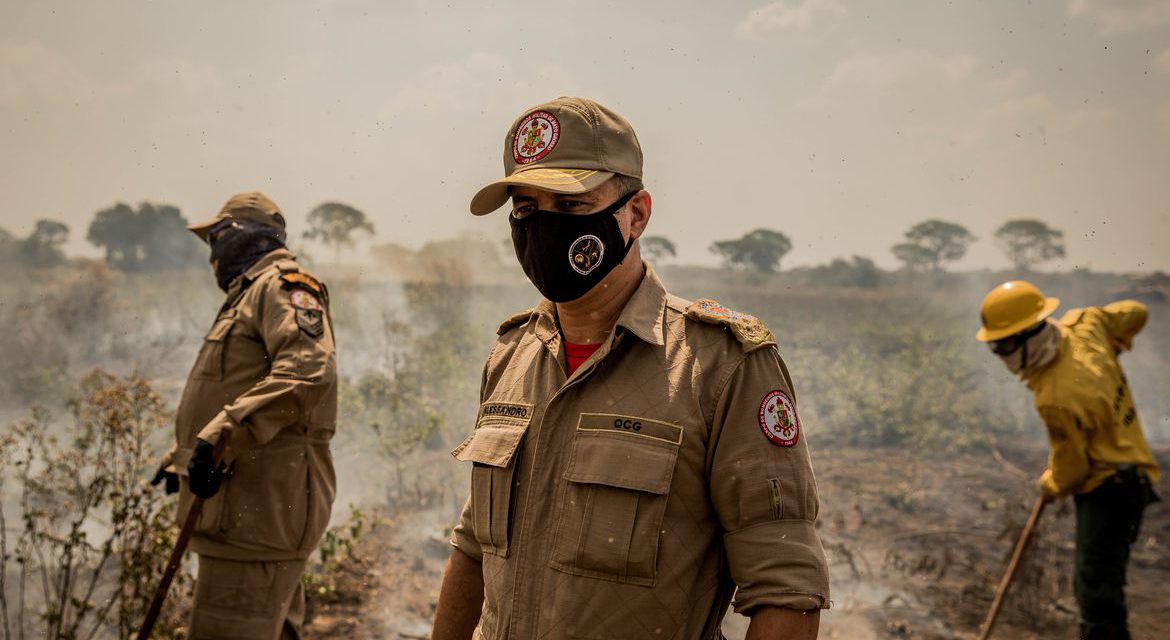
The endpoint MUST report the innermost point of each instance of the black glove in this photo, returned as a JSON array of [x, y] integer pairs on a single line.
[[203, 476], [172, 480]]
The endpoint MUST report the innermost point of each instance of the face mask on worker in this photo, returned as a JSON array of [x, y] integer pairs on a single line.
[[237, 245], [1030, 351], [566, 255]]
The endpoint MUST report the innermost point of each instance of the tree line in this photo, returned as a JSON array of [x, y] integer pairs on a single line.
[[928, 247], [154, 236]]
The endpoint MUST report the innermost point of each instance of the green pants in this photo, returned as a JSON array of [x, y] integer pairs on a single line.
[[1108, 519]]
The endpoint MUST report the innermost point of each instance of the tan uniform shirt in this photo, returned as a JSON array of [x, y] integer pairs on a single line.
[[631, 499], [267, 374], [1085, 401]]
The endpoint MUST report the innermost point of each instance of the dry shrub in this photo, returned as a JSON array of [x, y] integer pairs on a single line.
[[93, 536]]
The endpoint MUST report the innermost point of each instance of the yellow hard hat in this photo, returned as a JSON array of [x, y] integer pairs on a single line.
[[1013, 307]]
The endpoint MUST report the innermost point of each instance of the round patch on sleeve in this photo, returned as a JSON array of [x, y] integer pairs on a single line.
[[778, 419], [302, 299]]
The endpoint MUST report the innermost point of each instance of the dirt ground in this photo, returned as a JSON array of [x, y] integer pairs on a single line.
[[917, 546]]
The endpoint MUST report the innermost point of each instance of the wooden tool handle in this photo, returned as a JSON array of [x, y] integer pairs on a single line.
[[176, 559], [1021, 544]]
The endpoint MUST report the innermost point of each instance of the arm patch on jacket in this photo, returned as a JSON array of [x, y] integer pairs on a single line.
[[310, 313]]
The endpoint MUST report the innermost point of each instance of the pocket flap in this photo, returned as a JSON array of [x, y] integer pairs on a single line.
[[222, 326], [491, 444], [619, 461]]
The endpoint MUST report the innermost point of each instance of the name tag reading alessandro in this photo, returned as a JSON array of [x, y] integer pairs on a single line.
[[505, 412], [631, 425]]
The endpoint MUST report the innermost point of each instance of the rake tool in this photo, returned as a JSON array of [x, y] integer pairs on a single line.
[[176, 559], [1021, 545]]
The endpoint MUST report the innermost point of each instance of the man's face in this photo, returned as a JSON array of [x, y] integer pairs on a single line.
[[631, 219], [218, 231]]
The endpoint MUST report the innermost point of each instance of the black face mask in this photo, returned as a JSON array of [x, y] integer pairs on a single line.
[[236, 248], [566, 255]]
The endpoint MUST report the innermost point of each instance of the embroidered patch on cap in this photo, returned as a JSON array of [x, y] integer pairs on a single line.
[[536, 136], [302, 299], [778, 419], [585, 254]]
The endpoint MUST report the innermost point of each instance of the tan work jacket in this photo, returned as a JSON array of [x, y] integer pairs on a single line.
[[632, 499], [266, 375], [1086, 404]]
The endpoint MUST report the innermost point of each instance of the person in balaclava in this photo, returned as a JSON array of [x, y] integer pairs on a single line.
[[637, 458], [263, 388], [1099, 453]]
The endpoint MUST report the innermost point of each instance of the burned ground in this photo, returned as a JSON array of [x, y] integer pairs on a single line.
[[917, 548]]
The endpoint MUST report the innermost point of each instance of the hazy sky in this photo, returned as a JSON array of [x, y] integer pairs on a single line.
[[839, 123]]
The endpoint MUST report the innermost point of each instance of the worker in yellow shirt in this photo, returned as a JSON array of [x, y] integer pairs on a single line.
[[1099, 453]]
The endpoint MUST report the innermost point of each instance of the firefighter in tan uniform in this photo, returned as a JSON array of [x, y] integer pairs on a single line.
[[266, 381], [1099, 454], [637, 463]]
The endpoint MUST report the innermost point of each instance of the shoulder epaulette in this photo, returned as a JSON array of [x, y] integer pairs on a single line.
[[750, 332], [287, 266], [514, 320]]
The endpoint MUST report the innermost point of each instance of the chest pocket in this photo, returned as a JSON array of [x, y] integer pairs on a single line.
[[492, 448], [209, 364], [614, 498]]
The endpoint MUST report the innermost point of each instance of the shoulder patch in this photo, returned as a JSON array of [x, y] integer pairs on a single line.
[[515, 320], [309, 313], [778, 419], [297, 278], [302, 299], [750, 332]]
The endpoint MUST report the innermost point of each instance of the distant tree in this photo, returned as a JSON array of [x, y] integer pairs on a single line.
[[858, 271], [9, 247], [930, 244], [42, 248], [334, 223], [166, 242], [154, 236], [658, 248], [761, 250], [1028, 243], [114, 230], [914, 257]]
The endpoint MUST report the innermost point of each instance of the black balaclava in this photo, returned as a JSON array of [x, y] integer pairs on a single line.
[[566, 255], [238, 247]]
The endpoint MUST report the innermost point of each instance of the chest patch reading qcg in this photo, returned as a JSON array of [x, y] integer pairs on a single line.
[[632, 425]]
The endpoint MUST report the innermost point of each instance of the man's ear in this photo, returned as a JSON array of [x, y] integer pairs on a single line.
[[640, 208]]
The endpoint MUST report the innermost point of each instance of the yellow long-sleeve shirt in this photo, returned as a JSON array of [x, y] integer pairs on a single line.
[[1086, 403]]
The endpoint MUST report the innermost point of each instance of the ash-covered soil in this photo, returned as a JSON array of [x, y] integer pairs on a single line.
[[917, 546]]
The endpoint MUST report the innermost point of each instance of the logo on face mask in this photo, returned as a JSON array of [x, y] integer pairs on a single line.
[[585, 254], [536, 136]]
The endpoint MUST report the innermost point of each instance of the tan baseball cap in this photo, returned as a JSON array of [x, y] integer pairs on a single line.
[[253, 205], [569, 145]]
